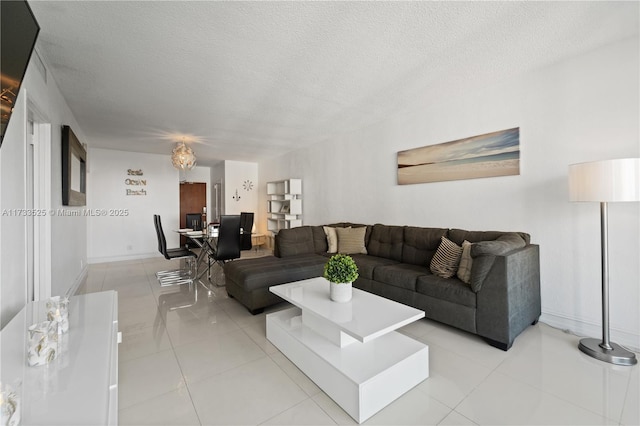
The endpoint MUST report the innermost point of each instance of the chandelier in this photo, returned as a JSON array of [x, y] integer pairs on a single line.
[[183, 157]]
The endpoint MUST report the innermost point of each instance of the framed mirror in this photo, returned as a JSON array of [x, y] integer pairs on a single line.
[[74, 170]]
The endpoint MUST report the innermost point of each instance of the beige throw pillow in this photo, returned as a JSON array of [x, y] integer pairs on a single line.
[[332, 239], [464, 270], [446, 260], [351, 240]]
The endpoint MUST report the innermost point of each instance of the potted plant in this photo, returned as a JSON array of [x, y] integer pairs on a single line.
[[341, 270]]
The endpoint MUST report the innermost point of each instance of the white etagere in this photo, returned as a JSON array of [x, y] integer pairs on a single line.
[[284, 204]]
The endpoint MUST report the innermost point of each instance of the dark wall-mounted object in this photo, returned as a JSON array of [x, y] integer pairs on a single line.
[[74, 170], [18, 33]]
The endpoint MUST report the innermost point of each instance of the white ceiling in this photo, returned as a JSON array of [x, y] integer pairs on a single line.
[[249, 80]]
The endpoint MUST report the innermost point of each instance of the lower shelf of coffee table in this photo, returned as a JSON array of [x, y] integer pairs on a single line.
[[362, 378]]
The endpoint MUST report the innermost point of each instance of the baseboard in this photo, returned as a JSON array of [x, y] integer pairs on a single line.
[[71, 291], [627, 339], [93, 260]]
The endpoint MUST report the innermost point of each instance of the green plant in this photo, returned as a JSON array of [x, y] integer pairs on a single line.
[[341, 269]]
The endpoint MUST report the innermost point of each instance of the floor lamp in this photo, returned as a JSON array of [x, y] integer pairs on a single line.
[[604, 182]]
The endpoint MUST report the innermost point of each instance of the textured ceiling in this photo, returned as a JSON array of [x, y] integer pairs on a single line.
[[249, 80]]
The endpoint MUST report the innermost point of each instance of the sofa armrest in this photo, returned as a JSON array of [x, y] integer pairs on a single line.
[[484, 254], [509, 300]]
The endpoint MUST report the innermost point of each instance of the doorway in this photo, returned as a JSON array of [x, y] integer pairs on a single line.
[[38, 200], [217, 202], [193, 199]]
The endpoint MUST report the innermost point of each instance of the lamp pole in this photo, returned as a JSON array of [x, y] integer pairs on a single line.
[[605, 350], [604, 239]]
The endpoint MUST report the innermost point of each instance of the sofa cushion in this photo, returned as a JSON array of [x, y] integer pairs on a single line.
[[367, 264], [464, 269], [295, 241], [450, 289], [400, 275], [261, 272], [351, 240], [447, 258], [386, 241], [367, 234], [319, 239], [420, 244], [332, 239]]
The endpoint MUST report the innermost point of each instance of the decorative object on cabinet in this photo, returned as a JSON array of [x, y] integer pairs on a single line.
[[42, 343], [9, 405], [58, 311], [488, 155], [284, 204], [605, 181], [182, 157], [74, 170]]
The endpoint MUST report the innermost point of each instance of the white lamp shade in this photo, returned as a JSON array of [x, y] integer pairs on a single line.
[[605, 181]]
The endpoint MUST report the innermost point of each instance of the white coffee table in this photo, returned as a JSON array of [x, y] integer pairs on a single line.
[[350, 350]]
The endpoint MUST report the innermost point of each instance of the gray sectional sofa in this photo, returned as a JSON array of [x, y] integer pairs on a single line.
[[501, 300]]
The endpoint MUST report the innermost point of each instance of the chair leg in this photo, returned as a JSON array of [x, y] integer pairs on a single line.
[[175, 281], [216, 277], [177, 276]]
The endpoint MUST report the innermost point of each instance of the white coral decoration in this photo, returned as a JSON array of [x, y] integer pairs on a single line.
[[9, 406]]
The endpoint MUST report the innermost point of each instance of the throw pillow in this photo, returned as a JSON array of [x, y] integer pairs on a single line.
[[332, 239], [464, 270], [351, 240], [446, 260]]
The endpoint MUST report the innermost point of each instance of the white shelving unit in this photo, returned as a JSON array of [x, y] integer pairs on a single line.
[[284, 204]]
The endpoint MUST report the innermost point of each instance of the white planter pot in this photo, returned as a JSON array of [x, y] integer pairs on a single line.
[[340, 292]]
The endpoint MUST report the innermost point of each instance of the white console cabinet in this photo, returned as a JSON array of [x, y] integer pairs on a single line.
[[79, 387], [284, 204]]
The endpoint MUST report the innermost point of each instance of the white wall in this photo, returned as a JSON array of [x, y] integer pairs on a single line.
[[68, 234], [131, 236], [581, 109], [13, 278], [236, 173]]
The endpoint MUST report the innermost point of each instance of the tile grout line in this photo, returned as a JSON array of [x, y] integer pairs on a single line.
[[173, 351], [186, 384]]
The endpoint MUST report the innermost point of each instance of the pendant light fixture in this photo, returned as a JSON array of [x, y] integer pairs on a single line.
[[183, 157]]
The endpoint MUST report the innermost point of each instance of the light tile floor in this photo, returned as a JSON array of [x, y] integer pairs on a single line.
[[199, 358]]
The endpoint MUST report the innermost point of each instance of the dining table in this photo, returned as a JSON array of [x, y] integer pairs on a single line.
[[206, 240]]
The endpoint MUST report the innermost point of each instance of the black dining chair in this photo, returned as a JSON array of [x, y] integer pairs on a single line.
[[227, 246], [246, 225], [177, 276], [194, 221]]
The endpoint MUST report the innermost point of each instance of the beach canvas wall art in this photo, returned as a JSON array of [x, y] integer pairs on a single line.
[[488, 155]]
